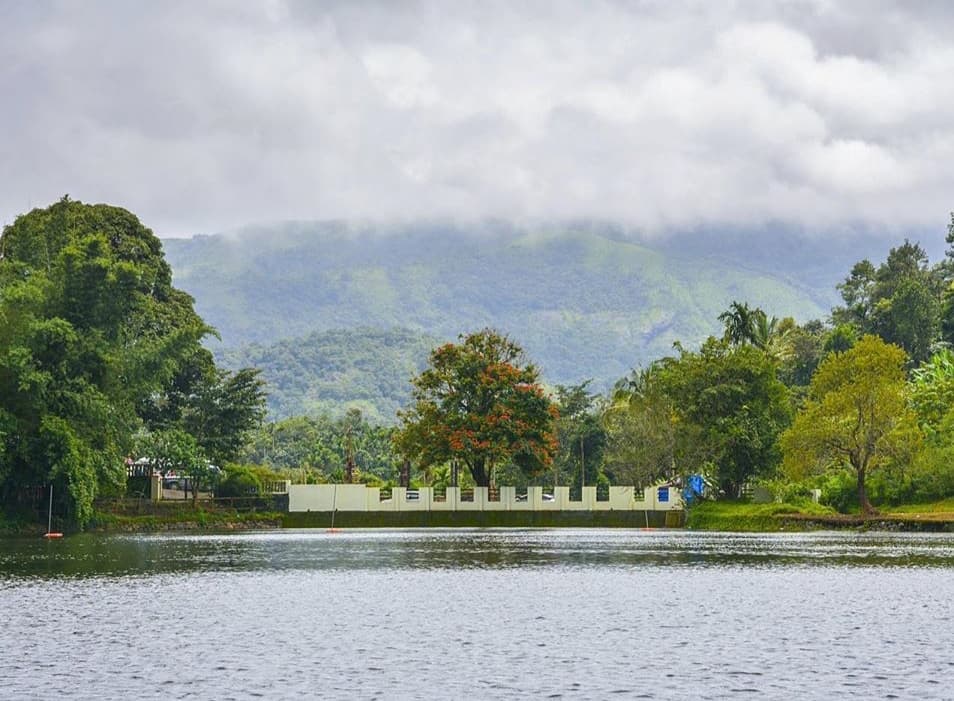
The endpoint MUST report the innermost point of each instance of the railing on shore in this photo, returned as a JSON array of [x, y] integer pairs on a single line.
[[359, 497], [276, 487]]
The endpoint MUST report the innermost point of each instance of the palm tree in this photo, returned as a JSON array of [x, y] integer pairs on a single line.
[[773, 335], [739, 322], [745, 325]]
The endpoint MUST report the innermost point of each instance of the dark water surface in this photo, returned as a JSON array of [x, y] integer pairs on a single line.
[[478, 614]]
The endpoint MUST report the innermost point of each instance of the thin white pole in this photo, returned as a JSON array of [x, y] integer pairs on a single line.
[[49, 518], [334, 505], [582, 469]]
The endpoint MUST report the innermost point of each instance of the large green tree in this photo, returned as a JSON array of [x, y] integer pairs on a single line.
[[807, 348], [89, 324], [857, 415], [92, 334], [644, 438], [479, 402], [581, 437], [900, 300], [729, 408]]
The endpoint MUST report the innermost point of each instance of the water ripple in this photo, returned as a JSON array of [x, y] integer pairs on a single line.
[[484, 614]]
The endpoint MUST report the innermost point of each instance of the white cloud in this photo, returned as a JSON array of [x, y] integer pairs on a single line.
[[659, 115]]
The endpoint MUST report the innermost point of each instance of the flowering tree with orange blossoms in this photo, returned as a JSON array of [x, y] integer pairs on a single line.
[[480, 403]]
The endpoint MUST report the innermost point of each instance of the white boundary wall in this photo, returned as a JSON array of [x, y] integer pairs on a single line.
[[358, 497]]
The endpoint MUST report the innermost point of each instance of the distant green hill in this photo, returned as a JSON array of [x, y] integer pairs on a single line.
[[330, 371], [583, 300]]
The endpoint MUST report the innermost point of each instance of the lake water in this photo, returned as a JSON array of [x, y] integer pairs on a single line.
[[479, 614]]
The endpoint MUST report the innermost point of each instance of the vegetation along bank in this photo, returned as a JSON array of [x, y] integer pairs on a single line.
[[103, 363]]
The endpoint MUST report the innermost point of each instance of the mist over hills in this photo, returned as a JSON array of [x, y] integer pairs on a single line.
[[585, 300]]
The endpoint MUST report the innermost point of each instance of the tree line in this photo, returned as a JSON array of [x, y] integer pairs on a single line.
[[858, 405], [101, 361], [867, 394]]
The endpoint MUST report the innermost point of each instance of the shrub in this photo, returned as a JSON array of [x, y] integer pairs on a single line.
[[840, 491], [239, 481], [932, 474]]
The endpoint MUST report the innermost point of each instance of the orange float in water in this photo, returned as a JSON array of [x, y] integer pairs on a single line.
[[52, 535]]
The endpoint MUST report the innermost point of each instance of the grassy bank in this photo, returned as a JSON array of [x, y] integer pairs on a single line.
[[131, 516], [743, 516], [138, 515], [185, 519], [945, 506], [746, 517]]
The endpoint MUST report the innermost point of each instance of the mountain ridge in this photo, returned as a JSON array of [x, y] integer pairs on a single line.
[[585, 302]]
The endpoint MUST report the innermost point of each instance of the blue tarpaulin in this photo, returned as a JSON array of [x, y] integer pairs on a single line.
[[695, 488]]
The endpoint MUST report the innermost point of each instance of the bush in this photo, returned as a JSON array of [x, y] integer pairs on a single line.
[[787, 491], [932, 474], [889, 487], [370, 480], [840, 491], [239, 481]]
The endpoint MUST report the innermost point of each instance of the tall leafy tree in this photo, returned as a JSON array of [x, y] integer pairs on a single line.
[[739, 322], [807, 346], [97, 351], [223, 411], [730, 408], [581, 436], [90, 325], [857, 415], [479, 402], [910, 317], [857, 291], [900, 300], [645, 440]]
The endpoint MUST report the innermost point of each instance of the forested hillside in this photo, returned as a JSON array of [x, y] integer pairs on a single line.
[[584, 301], [328, 372]]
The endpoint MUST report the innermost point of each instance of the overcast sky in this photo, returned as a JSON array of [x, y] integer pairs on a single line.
[[204, 116]]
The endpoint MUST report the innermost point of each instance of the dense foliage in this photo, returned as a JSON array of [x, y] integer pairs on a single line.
[[479, 403], [720, 410], [329, 372], [97, 350], [857, 415], [101, 359], [316, 449]]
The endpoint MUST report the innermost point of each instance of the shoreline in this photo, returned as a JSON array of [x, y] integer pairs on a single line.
[[711, 517]]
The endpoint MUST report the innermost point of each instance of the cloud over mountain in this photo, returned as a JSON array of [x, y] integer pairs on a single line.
[[660, 115]]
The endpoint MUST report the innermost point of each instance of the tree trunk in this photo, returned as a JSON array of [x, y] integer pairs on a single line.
[[349, 470], [866, 507], [479, 472]]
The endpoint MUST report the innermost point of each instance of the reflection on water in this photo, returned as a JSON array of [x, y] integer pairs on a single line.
[[463, 549], [484, 613]]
